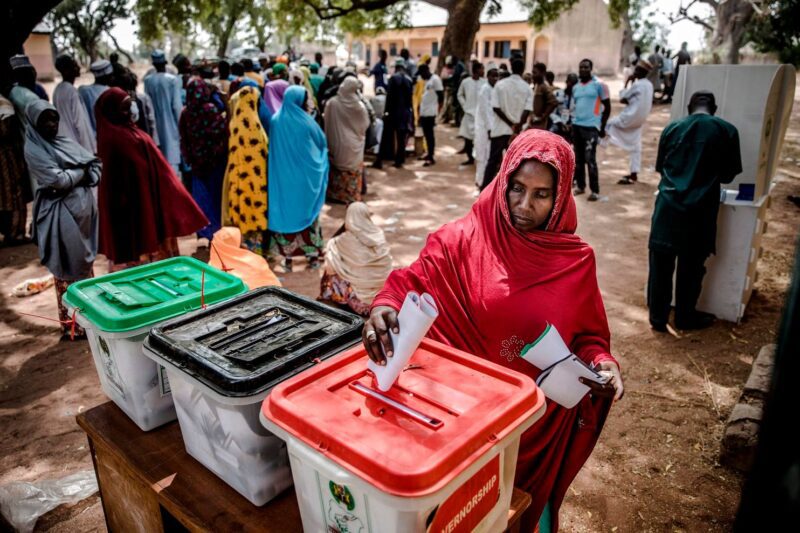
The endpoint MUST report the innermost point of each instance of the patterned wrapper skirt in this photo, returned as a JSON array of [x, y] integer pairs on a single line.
[[61, 286], [345, 185], [308, 242], [336, 289]]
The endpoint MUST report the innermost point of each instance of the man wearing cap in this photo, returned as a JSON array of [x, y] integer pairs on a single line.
[[74, 121], [103, 76], [164, 89], [695, 155], [399, 117], [25, 89], [625, 130]]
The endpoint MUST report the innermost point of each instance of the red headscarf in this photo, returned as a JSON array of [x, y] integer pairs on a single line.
[[141, 202], [497, 288]]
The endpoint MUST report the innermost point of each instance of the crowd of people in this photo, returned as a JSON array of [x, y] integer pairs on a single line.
[[255, 148]]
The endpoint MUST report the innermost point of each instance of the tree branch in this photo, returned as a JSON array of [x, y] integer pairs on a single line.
[[329, 11], [118, 47], [683, 14]]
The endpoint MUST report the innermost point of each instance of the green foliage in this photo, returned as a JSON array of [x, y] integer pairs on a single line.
[[777, 29], [79, 25], [369, 23], [543, 12], [647, 28], [157, 17]]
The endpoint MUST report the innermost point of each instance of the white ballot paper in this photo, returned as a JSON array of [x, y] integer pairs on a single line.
[[415, 319], [560, 369]]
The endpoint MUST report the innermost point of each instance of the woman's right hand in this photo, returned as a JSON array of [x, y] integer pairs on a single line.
[[376, 333]]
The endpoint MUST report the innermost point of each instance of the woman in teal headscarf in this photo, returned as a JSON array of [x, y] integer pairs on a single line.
[[298, 170]]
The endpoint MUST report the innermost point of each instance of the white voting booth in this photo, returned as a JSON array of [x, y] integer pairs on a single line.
[[757, 99]]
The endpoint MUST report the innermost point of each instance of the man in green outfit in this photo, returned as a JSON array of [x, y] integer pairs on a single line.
[[695, 155]]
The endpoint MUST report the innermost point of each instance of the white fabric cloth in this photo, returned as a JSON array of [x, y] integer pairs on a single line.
[[89, 95], [513, 96], [74, 122], [361, 254], [346, 123], [483, 121], [164, 91], [625, 129], [429, 107], [468, 98], [565, 111]]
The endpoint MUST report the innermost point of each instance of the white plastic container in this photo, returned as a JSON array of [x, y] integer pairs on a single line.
[[222, 362], [413, 459], [132, 381], [224, 435], [117, 311]]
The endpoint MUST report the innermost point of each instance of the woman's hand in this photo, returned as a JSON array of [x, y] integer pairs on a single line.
[[613, 388], [376, 333]]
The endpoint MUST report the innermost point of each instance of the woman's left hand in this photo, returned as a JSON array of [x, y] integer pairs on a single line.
[[613, 388]]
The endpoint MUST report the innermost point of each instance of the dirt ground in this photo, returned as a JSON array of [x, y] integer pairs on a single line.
[[655, 467]]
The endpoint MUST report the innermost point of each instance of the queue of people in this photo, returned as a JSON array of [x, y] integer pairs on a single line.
[[261, 150]]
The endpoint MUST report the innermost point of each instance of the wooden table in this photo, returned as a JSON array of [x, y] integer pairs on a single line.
[[149, 483]]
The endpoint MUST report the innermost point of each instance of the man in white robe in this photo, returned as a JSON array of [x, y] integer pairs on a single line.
[[625, 130], [164, 90], [103, 76], [74, 121], [483, 122], [468, 98]]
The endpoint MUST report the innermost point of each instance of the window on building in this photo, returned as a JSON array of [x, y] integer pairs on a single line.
[[392, 49], [523, 46], [486, 47], [435, 49], [502, 49]]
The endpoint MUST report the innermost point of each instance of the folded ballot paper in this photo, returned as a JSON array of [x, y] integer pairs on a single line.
[[415, 319], [560, 369]]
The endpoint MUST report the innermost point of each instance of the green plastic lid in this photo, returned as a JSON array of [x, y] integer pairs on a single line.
[[145, 295]]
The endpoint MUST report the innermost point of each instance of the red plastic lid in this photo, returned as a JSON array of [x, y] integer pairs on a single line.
[[442, 414]]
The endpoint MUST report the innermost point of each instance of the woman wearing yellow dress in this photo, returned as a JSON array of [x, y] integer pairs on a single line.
[[244, 202]]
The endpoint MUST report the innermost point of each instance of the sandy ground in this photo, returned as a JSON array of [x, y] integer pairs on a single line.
[[655, 467]]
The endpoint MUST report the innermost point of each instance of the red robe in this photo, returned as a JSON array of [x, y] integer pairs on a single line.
[[497, 287], [141, 202]]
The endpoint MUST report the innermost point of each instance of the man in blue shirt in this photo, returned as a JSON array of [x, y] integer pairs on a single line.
[[380, 70], [592, 109]]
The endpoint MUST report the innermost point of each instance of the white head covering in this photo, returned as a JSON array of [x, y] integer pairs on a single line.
[[6, 108], [102, 67], [360, 255], [346, 123], [296, 73]]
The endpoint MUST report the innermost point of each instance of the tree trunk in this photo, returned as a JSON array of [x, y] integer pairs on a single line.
[[463, 22], [733, 17], [17, 20], [626, 49]]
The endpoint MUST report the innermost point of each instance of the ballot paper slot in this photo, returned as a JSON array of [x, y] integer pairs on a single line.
[[261, 335], [414, 414]]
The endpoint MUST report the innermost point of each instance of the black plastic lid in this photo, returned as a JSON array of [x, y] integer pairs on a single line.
[[248, 344]]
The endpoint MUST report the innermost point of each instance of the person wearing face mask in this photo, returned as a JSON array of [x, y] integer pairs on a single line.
[[499, 276], [143, 207], [64, 210]]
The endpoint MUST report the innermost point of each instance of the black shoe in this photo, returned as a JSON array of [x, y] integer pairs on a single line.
[[467, 162], [696, 320], [398, 165], [377, 164], [429, 163], [657, 326]]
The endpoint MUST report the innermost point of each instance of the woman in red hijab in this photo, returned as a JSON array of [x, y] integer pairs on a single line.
[[143, 207], [499, 276]]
